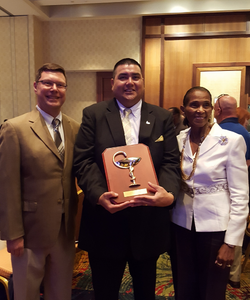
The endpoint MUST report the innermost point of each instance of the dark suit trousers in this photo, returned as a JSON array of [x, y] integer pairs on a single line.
[[195, 274], [107, 276]]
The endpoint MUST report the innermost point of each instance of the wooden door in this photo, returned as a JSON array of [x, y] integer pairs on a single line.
[[103, 86]]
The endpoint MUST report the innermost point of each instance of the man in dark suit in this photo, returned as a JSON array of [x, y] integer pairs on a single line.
[[38, 199], [136, 231]]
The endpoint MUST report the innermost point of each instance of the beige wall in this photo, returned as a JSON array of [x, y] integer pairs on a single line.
[[81, 93], [81, 47], [94, 44], [14, 67]]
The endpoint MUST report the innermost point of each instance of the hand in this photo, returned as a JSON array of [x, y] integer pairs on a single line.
[[106, 200], [161, 198], [225, 256], [16, 247]]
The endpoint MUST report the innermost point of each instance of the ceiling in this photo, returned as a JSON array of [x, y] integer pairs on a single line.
[[79, 9], [74, 2]]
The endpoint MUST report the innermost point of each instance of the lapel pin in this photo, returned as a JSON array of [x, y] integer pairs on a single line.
[[147, 122], [223, 140]]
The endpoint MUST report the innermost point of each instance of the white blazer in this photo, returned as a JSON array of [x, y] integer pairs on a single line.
[[217, 194]]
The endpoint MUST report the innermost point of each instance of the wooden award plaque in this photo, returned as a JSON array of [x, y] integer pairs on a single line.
[[117, 164]]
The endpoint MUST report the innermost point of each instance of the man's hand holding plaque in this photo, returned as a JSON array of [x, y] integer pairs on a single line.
[[107, 201], [160, 198]]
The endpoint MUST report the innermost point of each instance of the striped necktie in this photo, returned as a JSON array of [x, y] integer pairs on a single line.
[[57, 137], [127, 126]]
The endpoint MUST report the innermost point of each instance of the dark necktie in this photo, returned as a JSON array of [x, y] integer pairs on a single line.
[[57, 136]]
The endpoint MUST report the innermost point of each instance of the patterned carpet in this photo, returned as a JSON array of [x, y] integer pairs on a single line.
[[83, 289]]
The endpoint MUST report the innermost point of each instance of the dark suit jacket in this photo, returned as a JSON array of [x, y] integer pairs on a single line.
[[143, 230], [34, 181]]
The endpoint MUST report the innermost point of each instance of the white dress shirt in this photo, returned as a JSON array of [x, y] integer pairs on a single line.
[[134, 118], [48, 120]]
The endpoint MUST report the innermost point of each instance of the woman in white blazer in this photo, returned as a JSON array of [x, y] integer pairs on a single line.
[[209, 218]]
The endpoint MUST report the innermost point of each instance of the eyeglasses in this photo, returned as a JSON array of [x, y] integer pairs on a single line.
[[218, 98], [50, 84]]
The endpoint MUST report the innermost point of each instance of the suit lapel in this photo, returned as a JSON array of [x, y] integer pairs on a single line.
[[39, 127], [147, 122], [182, 138], [115, 123], [68, 140], [214, 137], [211, 140]]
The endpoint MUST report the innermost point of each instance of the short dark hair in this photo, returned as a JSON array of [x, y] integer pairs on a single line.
[[195, 88], [50, 67], [126, 61], [175, 110]]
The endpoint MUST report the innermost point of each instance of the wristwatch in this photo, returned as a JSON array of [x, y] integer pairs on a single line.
[[230, 246]]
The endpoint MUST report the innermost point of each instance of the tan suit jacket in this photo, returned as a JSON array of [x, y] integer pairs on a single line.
[[34, 182]]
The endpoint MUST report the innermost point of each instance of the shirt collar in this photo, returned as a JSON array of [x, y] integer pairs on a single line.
[[136, 109], [231, 120], [48, 118]]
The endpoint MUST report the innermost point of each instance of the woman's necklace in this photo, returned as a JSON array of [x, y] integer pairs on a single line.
[[184, 176]]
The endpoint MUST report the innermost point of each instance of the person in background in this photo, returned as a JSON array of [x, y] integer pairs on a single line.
[[243, 116], [209, 217], [136, 231], [177, 120], [225, 112], [38, 199]]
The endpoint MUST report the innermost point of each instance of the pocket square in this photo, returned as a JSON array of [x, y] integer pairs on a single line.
[[160, 139]]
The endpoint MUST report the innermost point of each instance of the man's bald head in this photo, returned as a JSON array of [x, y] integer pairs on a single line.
[[225, 107], [228, 104]]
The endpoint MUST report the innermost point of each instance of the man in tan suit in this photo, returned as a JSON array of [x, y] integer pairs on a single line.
[[38, 199]]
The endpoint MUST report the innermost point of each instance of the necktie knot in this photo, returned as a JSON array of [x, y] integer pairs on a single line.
[[127, 112]]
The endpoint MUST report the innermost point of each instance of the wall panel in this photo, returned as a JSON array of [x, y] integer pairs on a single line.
[[21, 50], [178, 72], [84, 47], [153, 26], [14, 67], [229, 22], [6, 79], [94, 44], [184, 24], [196, 39], [81, 92], [152, 70], [180, 55]]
